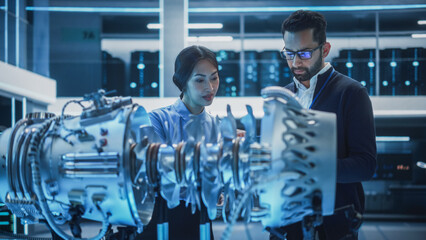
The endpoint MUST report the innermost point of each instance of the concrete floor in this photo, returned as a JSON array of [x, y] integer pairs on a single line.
[[370, 230]]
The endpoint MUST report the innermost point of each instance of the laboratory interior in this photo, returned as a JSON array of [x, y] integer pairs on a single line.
[[213, 119]]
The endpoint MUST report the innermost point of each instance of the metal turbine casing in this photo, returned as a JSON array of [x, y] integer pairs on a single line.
[[89, 169], [303, 155]]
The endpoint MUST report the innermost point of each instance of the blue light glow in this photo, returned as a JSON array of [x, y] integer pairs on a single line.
[[141, 66], [249, 68], [133, 85], [385, 83], [393, 64], [220, 67], [219, 59], [234, 88], [415, 63], [363, 83], [349, 65], [154, 85], [2, 7], [230, 9], [393, 138], [229, 79], [95, 9], [312, 8], [407, 83], [371, 64]]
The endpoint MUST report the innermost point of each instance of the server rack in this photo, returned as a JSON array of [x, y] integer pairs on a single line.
[[270, 66], [413, 79], [364, 69], [286, 75], [229, 73], [251, 74], [390, 71], [113, 73], [144, 74]]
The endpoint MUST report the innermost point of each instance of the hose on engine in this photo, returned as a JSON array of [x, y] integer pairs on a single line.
[[33, 155]]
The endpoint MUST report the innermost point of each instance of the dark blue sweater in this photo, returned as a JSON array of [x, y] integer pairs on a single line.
[[356, 142]]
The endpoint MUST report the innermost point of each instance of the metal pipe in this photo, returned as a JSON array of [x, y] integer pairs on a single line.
[[17, 16], [6, 35], [13, 108], [242, 55], [377, 56]]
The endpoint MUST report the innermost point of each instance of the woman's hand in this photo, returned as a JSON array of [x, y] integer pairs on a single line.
[[241, 133]]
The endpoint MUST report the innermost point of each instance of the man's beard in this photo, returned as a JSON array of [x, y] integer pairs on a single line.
[[309, 72]]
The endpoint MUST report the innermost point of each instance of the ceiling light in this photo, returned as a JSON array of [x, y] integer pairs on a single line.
[[229, 9], [312, 8], [205, 25], [95, 9], [190, 25], [211, 39], [154, 25], [393, 138], [215, 39], [421, 22], [419, 35]]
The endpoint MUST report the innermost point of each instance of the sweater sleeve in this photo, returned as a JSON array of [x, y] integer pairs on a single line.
[[360, 164]]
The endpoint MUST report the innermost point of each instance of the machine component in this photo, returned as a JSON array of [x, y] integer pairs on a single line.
[[108, 165], [303, 155]]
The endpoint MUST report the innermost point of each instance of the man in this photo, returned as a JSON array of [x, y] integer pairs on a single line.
[[318, 86]]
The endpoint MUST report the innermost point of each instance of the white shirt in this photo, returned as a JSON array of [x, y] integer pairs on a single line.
[[306, 95], [169, 123]]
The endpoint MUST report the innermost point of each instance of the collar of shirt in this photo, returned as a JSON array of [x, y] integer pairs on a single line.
[[313, 81], [305, 95], [184, 112]]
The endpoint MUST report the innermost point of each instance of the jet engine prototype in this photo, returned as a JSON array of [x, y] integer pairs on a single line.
[[108, 165]]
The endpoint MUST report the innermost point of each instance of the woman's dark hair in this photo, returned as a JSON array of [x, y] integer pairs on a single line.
[[302, 20], [186, 61]]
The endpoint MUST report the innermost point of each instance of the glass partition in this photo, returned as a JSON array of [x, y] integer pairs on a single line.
[[87, 48]]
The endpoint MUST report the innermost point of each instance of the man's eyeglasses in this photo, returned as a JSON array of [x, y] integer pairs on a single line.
[[304, 55]]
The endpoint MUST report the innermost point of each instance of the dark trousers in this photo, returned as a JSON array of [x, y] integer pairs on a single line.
[[294, 232]]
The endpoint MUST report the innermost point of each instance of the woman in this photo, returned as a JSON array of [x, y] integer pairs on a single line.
[[196, 76]]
